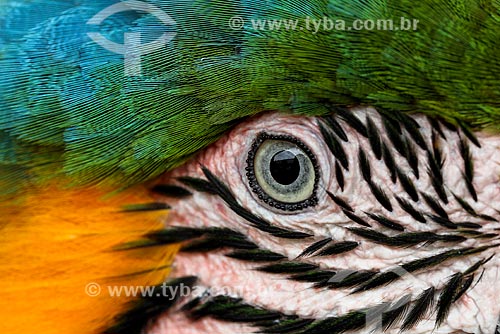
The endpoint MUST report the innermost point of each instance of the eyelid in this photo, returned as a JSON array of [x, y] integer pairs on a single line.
[[257, 188]]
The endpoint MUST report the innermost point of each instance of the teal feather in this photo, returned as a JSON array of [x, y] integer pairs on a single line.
[[69, 110]]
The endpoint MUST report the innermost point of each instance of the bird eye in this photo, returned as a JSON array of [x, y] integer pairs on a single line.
[[283, 172]]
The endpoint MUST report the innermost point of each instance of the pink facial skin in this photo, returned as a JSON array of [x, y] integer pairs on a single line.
[[476, 311]]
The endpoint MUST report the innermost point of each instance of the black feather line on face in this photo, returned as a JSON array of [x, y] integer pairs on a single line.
[[469, 225], [434, 171], [355, 218], [395, 137], [468, 173], [351, 119], [336, 127], [256, 255], [389, 162], [488, 218], [257, 222], [469, 134], [470, 188], [420, 309], [468, 162], [175, 235], [434, 205], [439, 189], [413, 129], [437, 154], [448, 125], [334, 146], [487, 236], [396, 313], [364, 166], [436, 177], [466, 206], [288, 267], [338, 248], [381, 196], [315, 247], [447, 296], [346, 279], [216, 242], [146, 207], [443, 221], [391, 119], [374, 138], [435, 125], [407, 207], [314, 276], [197, 184], [179, 234], [465, 284], [234, 310], [201, 239], [412, 158], [386, 222], [339, 174], [408, 185], [340, 202]]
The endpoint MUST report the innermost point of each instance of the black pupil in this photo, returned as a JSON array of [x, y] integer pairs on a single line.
[[285, 167]]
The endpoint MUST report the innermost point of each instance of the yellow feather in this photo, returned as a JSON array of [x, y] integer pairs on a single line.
[[55, 242]]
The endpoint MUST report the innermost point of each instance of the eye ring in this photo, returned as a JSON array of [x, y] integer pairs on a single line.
[[255, 182]]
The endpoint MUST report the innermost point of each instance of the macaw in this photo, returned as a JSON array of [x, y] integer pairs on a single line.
[[267, 168]]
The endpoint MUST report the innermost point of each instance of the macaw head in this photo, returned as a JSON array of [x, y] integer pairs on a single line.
[[312, 178]]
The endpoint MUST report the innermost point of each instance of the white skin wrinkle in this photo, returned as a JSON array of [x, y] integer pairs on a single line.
[[477, 311]]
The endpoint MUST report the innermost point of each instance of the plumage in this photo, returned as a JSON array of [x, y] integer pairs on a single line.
[[97, 125], [86, 152]]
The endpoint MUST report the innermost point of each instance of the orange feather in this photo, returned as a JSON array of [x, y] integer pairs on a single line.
[[56, 242]]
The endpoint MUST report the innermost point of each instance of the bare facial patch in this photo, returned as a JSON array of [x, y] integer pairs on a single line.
[[355, 222]]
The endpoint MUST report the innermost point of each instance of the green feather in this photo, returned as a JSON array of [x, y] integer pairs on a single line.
[[68, 108]]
